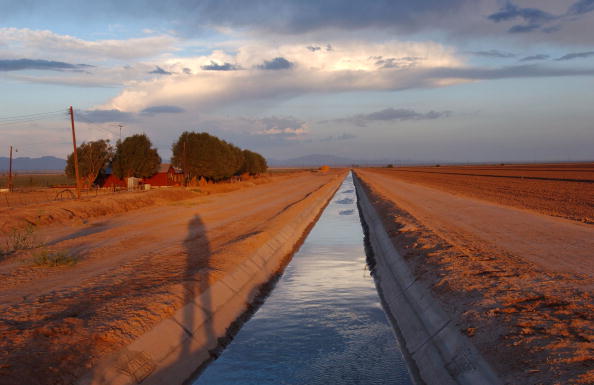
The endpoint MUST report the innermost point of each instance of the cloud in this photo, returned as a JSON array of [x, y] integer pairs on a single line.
[[39, 64], [104, 116], [391, 114], [493, 53], [577, 55], [529, 15], [313, 48], [31, 43], [535, 58], [343, 136], [288, 127], [159, 71], [213, 66], [581, 7], [524, 28], [392, 62], [278, 63], [162, 110]]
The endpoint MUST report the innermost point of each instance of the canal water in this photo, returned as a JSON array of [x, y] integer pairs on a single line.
[[323, 323]]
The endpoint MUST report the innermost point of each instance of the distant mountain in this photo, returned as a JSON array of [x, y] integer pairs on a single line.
[[45, 163], [317, 160]]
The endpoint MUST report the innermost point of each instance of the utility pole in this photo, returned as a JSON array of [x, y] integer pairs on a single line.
[[185, 166], [75, 154], [120, 125], [10, 171]]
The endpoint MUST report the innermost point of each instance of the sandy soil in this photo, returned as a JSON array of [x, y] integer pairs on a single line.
[[134, 269], [517, 282], [562, 190]]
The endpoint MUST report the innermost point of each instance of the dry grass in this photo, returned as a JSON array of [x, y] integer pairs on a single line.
[[52, 258]]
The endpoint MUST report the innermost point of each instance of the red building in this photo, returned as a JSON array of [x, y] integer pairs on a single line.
[[166, 175]]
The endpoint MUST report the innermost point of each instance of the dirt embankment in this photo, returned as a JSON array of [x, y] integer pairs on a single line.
[[133, 270], [69, 211], [519, 284], [562, 190]]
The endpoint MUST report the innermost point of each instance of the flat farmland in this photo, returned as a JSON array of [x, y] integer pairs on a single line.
[[561, 190], [517, 282]]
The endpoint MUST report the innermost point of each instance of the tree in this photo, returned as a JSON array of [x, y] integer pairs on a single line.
[[204, 155], [92, 158], [254, 163], [135, 157]]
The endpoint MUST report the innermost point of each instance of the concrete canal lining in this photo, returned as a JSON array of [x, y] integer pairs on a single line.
[[437, 351], [177, 346]]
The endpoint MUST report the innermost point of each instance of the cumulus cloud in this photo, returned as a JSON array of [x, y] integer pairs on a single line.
[[40, 64], [393, 114], [348, 66], [576, 55]]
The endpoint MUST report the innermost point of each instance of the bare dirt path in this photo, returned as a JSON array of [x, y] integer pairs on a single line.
[[518, 283], [552, 243], [133, 271]]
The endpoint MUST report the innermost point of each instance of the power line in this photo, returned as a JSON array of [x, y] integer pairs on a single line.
[[29, 116]]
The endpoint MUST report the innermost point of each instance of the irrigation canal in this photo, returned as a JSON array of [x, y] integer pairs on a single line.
[[323, 323]]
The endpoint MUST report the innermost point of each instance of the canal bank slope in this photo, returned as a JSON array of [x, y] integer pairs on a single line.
[[529, 317], [154, 289]]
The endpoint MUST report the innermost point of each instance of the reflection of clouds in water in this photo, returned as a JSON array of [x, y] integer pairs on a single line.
[[345, 201], [346, 212]]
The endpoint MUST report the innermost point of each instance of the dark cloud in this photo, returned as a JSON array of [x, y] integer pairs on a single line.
[[535, 58], [162, 110], [510, 72], [159, 71], [581, 7], [392, 62], [530, 15], [278, 63], [493, 53], [104, 116], [40, 64], [577, 55], [213, 66], [313, 48], [534, 19], [392, 114], [524, 28], [187, 71]]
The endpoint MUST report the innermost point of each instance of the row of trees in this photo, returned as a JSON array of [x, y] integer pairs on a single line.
[[197, 154]]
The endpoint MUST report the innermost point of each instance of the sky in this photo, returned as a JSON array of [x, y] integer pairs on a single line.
[[399, 80]]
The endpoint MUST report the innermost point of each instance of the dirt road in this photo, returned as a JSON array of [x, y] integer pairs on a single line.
[[518, 282], [133, 271]]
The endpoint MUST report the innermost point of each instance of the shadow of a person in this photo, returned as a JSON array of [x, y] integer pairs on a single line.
[[197, 278]]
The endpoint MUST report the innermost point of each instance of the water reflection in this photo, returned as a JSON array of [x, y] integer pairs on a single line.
[[323, 323]]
